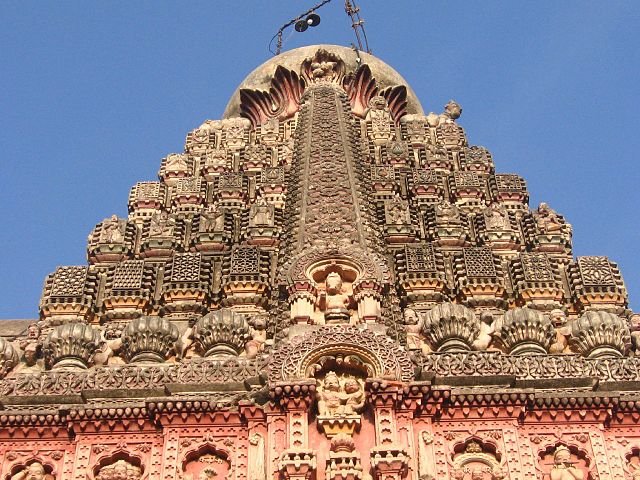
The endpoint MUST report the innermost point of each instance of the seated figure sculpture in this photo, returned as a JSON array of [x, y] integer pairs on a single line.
[[336, 301]]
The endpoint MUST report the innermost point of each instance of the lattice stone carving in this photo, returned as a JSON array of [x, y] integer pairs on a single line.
[[479, 262], [245, 260], [230, 180], [188, 185], [420, 258], [424, 176], [477, 159], [128, 275], [467, 179], [536, 267], [186, 267], [506, 182], [69, 282], [596, 271], [383, 173], [272, 175], [144, 190]]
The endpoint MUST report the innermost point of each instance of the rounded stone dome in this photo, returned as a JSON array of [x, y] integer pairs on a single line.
[[260, 78]]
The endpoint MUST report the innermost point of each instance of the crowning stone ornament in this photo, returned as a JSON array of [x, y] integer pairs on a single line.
[[71, 345], [148, 339], [221, 333]]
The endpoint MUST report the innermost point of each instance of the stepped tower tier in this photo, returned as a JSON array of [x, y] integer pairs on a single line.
[[327, 283]]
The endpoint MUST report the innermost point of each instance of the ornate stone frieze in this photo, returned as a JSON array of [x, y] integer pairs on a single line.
[[383, 357], [140, 377]]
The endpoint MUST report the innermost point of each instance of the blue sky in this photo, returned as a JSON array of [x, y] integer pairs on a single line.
[[94, 94]]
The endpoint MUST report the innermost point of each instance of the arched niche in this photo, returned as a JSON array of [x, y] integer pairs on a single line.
[[578, 458], [206, 462], [475, 459], [362, 349], [48, 471]]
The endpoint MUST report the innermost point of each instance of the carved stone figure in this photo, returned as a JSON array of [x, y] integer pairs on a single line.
[[119, 470], [336, 301], [211, 220], [111, 231], [496, 218], [336, 399], [33, 471], [261, 214], [354, 402], [447, 213], [330, 396], [412, 327], [549, 222], [397, 211], [162, 225], [452, 110], [487, 327], [379, 117], [30, 344], [563, 467]]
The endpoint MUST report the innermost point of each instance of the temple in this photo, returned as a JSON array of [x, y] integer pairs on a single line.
[[326, 284]]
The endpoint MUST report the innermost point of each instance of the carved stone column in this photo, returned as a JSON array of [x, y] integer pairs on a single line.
[[298, 461], [389, 459]]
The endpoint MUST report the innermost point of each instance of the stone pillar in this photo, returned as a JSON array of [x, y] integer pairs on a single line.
[[389, 459], [298, 461]]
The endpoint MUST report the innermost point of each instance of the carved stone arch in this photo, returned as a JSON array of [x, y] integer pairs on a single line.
[[208, 447], [49, 467], [476, 453], [366, 265], [382, 357], [110, 457]]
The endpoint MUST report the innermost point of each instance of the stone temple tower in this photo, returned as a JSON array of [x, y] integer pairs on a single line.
[[327, 283]]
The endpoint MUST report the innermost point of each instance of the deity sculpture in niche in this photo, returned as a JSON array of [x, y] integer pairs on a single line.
[[162, 225], [335, 300], [477, 461], [447, 213], [549, 222], [33, 471], [119, 470], [340, 399], [564, 468], [207, 466], [261, 214], [397, 211], [211, 220], [496, 218], [112, 231]]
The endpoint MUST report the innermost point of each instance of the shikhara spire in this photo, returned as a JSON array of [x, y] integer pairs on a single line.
[[327, 283]]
